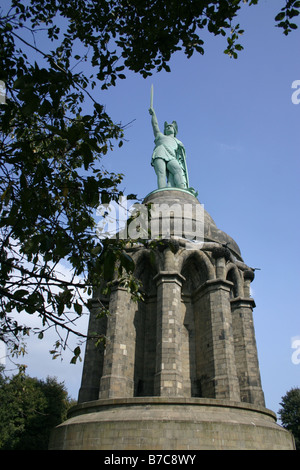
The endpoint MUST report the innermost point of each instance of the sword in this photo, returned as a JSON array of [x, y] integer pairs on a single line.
[[151, 97]]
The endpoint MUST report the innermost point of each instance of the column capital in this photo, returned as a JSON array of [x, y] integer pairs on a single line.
[[242, 302], [212, 285], [169, 276]]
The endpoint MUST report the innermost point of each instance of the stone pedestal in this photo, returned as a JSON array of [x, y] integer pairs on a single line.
[[160, 423]]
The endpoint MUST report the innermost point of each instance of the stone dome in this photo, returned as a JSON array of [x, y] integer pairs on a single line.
[[172, 196]]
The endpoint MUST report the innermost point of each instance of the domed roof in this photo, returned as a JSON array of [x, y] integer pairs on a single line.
[[172, 196]]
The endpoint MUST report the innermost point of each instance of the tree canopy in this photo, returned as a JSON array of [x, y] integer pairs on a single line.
[[290, 413], [29, 410], [54, 134]]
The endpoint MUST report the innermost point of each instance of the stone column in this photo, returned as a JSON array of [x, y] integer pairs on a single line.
[[168, 378], [93, 358], [118, 369], [246, 351], [248, 278], [221, 255], [216, 367]]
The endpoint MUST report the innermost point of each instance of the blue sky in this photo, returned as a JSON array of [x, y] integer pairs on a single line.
[[241, 133]]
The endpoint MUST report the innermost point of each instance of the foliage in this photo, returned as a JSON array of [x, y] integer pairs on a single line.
[[29, 410], [287, 13], [55, 135], [290, 413]]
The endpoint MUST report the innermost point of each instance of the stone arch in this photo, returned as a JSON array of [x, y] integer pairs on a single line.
[[201, 265], [144, 323], [232, 274], [146, 270], [197, 269]]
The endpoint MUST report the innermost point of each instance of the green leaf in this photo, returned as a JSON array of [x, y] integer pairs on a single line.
[[96, 250], [105, 197], [131, 196], [76, 353], [280, 16], [20, 293], [127, 262], [78, 308], [109, 265]]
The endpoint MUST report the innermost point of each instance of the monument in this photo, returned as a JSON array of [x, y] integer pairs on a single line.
[[169, 156], [179, 370]]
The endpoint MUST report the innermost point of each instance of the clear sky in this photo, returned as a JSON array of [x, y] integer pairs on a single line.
[[240, 129]]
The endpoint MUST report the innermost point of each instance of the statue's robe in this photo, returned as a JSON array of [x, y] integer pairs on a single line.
[[170, 148]]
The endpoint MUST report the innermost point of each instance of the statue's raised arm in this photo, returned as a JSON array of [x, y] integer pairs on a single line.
[[154, 122]]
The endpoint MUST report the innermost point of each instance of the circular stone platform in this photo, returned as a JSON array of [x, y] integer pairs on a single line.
[[158, 423]]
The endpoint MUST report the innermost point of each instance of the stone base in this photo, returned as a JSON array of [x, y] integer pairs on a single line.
[[158, 423]]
